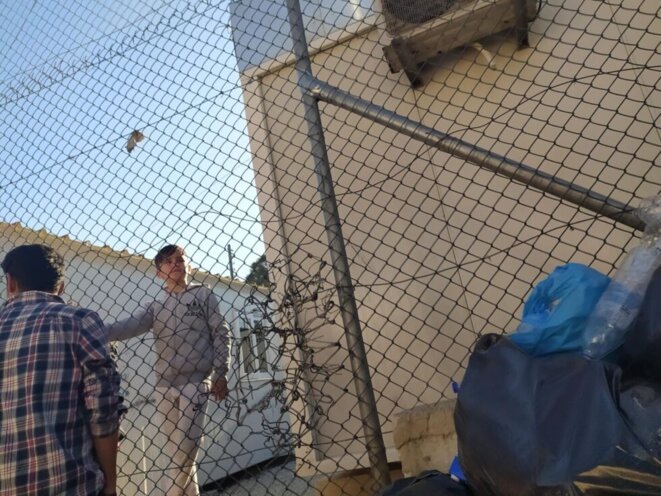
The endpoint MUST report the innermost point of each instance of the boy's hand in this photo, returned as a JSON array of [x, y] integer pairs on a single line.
[[219, 389]]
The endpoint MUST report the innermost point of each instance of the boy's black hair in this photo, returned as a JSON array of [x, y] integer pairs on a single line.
[[165, 252], [35, 267]]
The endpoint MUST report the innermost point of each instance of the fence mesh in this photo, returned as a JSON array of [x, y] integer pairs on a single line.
[[127, 126]]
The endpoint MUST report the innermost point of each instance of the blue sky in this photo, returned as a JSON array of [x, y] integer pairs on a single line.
[[76, 79]]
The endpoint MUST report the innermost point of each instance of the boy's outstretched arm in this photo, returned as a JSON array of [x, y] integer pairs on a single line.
[[139, 322]]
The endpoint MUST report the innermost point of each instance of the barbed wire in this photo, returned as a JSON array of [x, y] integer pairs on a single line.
[[60, 70]]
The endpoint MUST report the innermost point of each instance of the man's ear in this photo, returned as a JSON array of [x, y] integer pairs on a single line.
[[60, 289]]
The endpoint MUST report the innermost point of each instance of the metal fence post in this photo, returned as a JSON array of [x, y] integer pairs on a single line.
[[349, 310]]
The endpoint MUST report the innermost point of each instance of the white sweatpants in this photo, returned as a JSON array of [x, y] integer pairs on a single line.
[[183, 410]]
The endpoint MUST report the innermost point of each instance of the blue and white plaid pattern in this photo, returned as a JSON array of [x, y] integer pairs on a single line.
[[58, 387]]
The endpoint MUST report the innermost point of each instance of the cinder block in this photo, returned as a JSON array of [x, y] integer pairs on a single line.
[[425, 437]]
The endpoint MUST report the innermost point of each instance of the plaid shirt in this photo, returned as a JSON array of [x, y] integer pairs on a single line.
[[58, 388]]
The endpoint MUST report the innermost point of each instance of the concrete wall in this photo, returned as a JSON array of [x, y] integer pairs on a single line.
[[440, 250], [261, 29]]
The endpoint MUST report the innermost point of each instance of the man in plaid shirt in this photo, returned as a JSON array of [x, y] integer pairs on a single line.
[[59, 388]]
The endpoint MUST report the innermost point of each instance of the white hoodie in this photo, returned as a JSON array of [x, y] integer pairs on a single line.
[[191, 337]]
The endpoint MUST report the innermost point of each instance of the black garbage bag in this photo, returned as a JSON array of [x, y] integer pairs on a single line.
[[554, 425], [640, 356], [428, 483]]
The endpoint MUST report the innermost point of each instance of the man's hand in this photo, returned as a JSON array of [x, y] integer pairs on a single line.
[[219, 389]]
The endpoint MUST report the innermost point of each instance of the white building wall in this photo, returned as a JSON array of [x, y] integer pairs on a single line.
[[261, 29], [475, 242]]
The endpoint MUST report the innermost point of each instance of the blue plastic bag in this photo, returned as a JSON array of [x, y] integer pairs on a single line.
[[455, 470], [556, 312]]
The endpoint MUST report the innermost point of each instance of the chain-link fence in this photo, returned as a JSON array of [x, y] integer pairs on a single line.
[[365, 185]]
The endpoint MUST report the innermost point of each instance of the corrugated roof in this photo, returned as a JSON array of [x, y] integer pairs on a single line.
[[84, 247]]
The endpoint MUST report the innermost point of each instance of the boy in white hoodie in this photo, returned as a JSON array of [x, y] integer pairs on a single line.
[[191, 339]]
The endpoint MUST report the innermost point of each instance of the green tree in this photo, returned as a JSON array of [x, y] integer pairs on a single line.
[[259, 272]]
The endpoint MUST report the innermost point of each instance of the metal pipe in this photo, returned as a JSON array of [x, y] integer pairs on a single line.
[[365, 394], [481, 157]]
